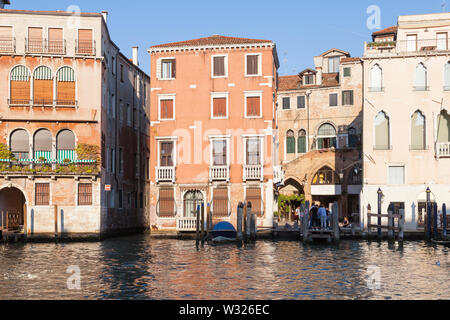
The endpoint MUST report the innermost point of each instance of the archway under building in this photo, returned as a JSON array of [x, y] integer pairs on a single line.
[[292, 195], [12, 209]]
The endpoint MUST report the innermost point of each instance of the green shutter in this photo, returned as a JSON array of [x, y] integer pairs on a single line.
[[320, 144], [301, 144], [290, 145]]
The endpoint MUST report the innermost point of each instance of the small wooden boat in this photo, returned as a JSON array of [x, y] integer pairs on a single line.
[[224, 230]]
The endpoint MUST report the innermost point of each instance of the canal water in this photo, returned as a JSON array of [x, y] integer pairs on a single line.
[[143, 268]]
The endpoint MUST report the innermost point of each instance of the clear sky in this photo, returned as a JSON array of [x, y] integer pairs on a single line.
[[301, 29]]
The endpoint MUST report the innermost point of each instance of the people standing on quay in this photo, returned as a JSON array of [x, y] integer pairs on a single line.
[[323, 217]]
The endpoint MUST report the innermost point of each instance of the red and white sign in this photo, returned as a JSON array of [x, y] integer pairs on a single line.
[[107, 187]]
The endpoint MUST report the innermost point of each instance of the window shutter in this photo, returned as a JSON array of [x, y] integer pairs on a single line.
[[302, 144], [254, 196], [253, 107], [220, 203], [158, 69], [166, 109], [219, 107], [174, 69], [166, 203], [252, 64]]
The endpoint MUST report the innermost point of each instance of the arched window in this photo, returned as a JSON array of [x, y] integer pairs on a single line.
[[302, 141], [326, 137], [43, 145], [376, 78], [447, 76], [326, 176], [444, 127], [65, 144], [418, 141], [420, 81], [43, 86], [20, 144], [382, 139], [290, 142], [65, 87], [353, 138], [20, 86], [192, 199]]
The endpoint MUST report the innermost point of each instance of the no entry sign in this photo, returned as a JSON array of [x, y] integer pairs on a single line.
[[107, 187]]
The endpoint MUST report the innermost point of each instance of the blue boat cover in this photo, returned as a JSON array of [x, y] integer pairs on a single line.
[[224, 226]]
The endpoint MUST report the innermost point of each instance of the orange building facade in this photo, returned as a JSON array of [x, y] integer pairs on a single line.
[[212, 130]]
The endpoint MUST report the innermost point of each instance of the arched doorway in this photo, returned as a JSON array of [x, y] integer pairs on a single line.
[[12, 208], [191, 200], [291, 196]]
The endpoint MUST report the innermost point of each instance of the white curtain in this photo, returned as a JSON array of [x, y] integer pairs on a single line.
[[376, 78], [421, 77]]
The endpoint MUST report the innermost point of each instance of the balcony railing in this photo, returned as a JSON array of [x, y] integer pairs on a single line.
[[409, 46], [443, 150], [219, 173], [43, 103], [85, 48], [44, 46], [186, 224], [253, 173], [165, 174], [36, 166], [7, 45]]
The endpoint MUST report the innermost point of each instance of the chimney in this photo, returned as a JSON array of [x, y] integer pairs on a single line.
[[136, 56], [105, 16]]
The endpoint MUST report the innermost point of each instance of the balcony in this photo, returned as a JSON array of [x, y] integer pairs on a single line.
[[413, 47], [186, 224], [85, 48], [219, 173], [443, 150], [255, 173], [7, 45], [19, 103], [43, 103], [44, 46], [10, 167], [165, 174]]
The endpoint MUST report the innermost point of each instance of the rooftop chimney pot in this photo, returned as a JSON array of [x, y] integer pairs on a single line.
[[105, 16], [136, 56]]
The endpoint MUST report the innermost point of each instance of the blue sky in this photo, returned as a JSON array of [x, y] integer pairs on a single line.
[[301, 29]]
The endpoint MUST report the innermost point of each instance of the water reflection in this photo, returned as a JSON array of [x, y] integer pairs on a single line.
[[141, 268]]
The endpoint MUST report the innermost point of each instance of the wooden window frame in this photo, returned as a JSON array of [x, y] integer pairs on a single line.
[[173, 76], [219, 95], [225, 66], [254, 94], [352, 97], [337, 100], [259, 74], [166, 97]]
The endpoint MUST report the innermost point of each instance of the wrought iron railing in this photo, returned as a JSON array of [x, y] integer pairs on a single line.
[[8, 45], [85, 48]]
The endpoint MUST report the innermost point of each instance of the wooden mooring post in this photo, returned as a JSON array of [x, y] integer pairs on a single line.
[[336, 230], [248, 222], [444, 222], [208, 219], [240, 217], [253, 227], [55, 212], [435, 222], [391, 225], [203, 224], [305, 223], [429, 216], [401, 226], [197, 228]]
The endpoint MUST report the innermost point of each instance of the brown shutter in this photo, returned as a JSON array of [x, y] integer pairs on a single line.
[[166, 109], [254, 196], [66, 93], [43, 92], [252, 64], [174, 69], [219, 66], [6, 39], [6, 33], [220, 107], [85, 194], [253, 107], [35, 40], [42, 194], [85, 41], [220, 203], [166, 203], [20, 92], [55, 40]]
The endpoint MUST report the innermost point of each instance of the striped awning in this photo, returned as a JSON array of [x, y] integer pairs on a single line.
[[20, 73], [66, 74], [43, 73]]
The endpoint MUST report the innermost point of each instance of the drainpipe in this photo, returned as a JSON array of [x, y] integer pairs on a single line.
[[308, 95]]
